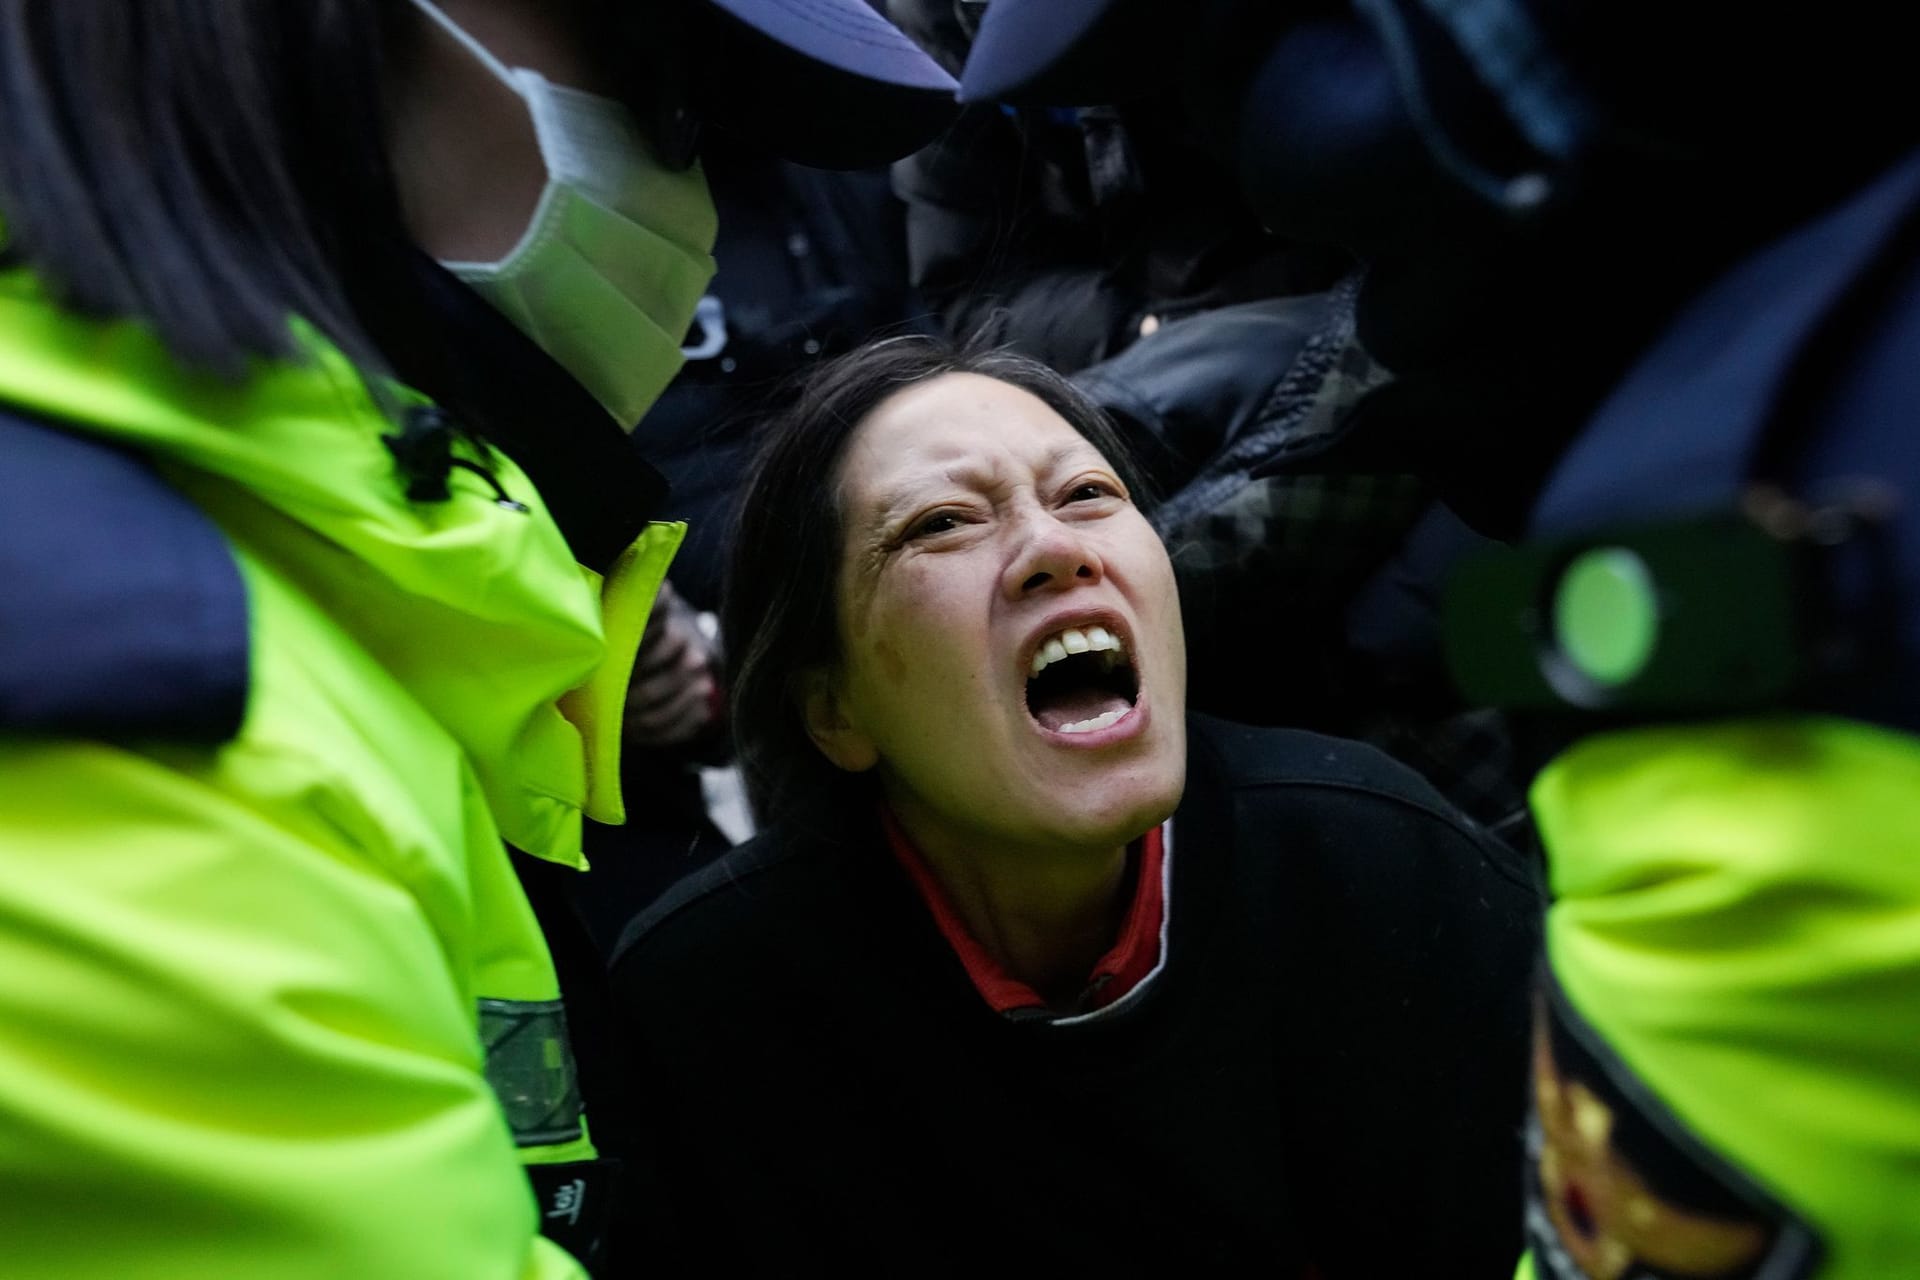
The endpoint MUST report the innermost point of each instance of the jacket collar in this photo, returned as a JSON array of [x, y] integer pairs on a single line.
[[292, 464], [511, 393]]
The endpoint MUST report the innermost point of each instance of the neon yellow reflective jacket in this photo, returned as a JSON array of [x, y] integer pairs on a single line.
[[1734, 946], [241, 1004]]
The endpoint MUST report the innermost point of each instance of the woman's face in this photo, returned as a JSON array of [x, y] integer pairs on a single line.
[[985, 538]]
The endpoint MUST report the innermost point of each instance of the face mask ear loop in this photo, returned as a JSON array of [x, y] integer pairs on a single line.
[[478, 50]]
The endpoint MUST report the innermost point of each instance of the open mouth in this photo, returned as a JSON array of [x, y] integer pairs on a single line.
[[1081, 680]]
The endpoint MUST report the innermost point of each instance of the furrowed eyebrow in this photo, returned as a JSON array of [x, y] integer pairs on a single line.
[[889, 504], [914, 490], [1073, 453]]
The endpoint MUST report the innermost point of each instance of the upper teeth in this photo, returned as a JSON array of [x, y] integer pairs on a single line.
[[1075, 640]]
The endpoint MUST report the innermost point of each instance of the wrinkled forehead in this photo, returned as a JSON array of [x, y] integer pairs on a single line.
[[956, 430]]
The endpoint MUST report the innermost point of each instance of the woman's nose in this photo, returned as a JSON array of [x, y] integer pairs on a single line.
[[1053, 555]]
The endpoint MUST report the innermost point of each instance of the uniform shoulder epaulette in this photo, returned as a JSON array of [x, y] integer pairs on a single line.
[[122, 611]]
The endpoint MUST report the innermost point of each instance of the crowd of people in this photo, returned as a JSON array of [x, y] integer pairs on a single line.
[[894, 637]]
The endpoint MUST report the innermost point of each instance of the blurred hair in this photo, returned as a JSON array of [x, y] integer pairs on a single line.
[[779, 617], [209, 167]]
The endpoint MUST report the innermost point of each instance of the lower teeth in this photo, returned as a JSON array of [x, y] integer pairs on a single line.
[[1100, 721]]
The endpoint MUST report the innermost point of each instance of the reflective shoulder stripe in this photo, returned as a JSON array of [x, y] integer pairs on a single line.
[[530, 1066]]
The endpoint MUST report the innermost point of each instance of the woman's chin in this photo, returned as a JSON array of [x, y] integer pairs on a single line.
[[1108, 798], [1120, 819]]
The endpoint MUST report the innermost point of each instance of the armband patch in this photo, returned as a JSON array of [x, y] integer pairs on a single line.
[[1619, 1189], [530, 1066]]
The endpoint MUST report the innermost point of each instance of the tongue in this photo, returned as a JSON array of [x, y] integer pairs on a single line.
[[1071, 706]]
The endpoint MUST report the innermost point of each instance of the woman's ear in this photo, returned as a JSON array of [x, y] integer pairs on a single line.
[[827, 723]]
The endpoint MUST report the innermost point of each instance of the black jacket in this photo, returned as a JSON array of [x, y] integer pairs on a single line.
[[1330, 1068], [1056, 232]]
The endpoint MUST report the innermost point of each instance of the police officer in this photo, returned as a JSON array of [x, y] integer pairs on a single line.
[[324, 564]]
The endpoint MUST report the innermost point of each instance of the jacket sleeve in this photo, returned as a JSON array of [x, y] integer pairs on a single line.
[[1736, 922], [231, 1041], [1405, 986]]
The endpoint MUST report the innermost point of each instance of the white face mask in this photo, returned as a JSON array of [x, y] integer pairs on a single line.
[[617, 254]]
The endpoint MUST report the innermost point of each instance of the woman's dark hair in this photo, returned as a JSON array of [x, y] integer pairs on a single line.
[[779, 616], [211, 167]]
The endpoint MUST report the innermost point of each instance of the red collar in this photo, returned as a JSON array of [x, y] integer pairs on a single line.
[[1135, 954]]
